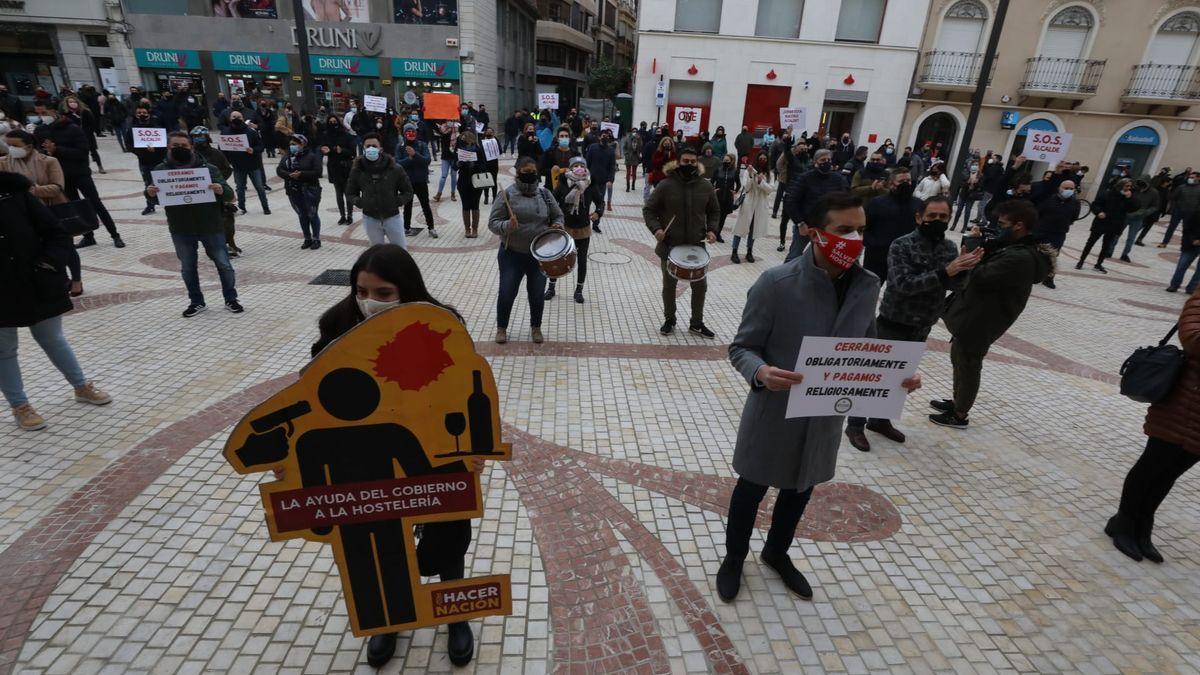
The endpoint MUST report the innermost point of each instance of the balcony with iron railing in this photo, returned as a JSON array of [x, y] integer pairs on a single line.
[[1159, 84], [1051, 77], [952, 71]]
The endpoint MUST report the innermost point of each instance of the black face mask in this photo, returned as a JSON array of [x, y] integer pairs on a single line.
[[903, 190], [686, 170], [333, 124], [181, 155], [528, 178], [933, 229], [824, 168], [237, 123]]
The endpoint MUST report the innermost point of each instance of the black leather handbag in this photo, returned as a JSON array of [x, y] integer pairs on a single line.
[[77, 217], [1148, 375]]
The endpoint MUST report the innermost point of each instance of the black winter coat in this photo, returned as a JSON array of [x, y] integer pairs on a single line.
[[148, 158], [339, 162], [240, 159], [888, 219], [1115, 207], [1055, 216], [34, 250], [70, 146], [308, 163], [803, 191]]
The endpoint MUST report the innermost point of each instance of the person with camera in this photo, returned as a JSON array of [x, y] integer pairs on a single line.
[[922, 266], [823, 292], [35, 250], [993, 297], [1172, 447]]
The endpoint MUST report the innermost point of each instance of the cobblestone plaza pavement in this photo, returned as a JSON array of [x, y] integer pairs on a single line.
[[127, 544]]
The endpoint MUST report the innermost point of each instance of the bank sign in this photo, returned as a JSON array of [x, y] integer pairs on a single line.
[[173, 59], [250, 62], [349, 66], [426, 69]]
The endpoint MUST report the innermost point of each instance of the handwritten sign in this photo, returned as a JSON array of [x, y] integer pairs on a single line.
[[375, 103], [467, 156], [612, 127], [548, 101], [1047, 146], [491, 149], [233, 142], [687, 120], [793, 118], [853, 376], [179, 187], [146, 137]]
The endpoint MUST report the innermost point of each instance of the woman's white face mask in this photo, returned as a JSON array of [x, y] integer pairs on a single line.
[[18, 153], [370, 308]]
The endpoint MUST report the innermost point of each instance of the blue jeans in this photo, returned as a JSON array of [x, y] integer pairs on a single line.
[[1177, 217], [798, 245], [449, 168], [186, 249], [1186, 257], [392, 227], [1132, 227], [256, 178], [513, 268], [49, 335], [305, 202]]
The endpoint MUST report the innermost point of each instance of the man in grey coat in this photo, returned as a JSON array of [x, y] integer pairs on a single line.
[[824, 292]]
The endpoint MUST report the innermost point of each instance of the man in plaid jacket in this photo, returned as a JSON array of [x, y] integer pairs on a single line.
[[922, 265]]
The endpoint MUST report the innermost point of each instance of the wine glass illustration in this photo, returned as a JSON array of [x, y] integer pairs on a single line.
[[456, 424]]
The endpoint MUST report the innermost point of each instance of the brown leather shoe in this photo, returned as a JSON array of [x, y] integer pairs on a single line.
[[536, 334], [501, 336], [858, 439], [884, 428]]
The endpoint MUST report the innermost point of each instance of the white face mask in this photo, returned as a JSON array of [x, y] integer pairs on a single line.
[[370, 308], [18, 153]]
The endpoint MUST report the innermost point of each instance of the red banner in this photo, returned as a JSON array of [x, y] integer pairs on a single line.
[[349, 503]]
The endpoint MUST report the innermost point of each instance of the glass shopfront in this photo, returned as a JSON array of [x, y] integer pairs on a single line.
[[337, 79]]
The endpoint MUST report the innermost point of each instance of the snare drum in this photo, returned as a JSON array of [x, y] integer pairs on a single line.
[[688, 263], [555, 252]]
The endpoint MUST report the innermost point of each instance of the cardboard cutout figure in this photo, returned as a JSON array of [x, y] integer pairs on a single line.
[[372, 439]]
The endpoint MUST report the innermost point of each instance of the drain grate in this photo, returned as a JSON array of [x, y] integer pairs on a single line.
[[332, 278]]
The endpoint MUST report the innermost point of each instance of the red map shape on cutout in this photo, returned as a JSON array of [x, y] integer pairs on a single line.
[[414, 358]]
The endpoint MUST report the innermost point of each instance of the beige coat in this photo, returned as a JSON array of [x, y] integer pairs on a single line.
[[757, 205], [44, 171]]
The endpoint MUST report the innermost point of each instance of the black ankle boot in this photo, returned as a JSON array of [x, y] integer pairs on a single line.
[[729, 578], [461, 644], [549, 291], [380, 649], [579, 293], [1144, 529], [1120, 527]]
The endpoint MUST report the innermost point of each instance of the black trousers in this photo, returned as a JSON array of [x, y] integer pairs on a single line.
[[421, 194], [1149, 481], [1110, 242], [345, 206], [594, 195], [85, 186], [890, 330], [743, 511], [581, 252]]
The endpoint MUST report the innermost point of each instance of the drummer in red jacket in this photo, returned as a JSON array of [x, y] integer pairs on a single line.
[[683, 211]]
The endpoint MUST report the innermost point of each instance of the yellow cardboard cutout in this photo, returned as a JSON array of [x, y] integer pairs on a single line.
[[376, 436]]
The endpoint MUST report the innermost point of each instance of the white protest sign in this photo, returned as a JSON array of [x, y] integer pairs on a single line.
[[547, 101], [177, 187], [687, 120], [375, 103], [612, 127], [479, 127], [793, 118], [1047, 146], [146, 137], [853, 376], [467, 156], [233, 142], [491, 149]]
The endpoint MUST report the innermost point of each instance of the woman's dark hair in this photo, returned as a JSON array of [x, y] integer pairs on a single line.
[[523, 162], [372, 137], [21, 135], [390, 263]]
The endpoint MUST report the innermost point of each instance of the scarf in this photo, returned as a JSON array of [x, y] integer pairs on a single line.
[[578, 185], [527, 189]]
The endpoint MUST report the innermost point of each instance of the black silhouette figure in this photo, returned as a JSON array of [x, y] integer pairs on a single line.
[[375, 554]]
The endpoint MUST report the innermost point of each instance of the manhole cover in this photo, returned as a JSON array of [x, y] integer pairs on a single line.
[[609, 258], [332, 278]]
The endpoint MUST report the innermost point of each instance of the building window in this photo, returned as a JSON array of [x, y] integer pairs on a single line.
[[610, 15], [779, 18], [94, 40], [176, 7], [861, 20], [699, 16], [962, 28]]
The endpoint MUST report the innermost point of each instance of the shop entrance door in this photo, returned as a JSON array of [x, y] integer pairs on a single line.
[[336, 92], [838, 119]]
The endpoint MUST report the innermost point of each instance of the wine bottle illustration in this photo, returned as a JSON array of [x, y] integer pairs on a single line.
[[479, 410]]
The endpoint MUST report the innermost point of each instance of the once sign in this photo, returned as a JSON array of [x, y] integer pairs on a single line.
[[1047, 146], [853, 376], [378, 435]]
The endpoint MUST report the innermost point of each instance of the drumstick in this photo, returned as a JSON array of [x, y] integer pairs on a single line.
[[511, 215], [668, 227]]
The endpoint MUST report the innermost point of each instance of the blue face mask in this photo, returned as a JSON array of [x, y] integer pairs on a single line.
[[371, 153], [564, 142], [294, 149], [412, 117]]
